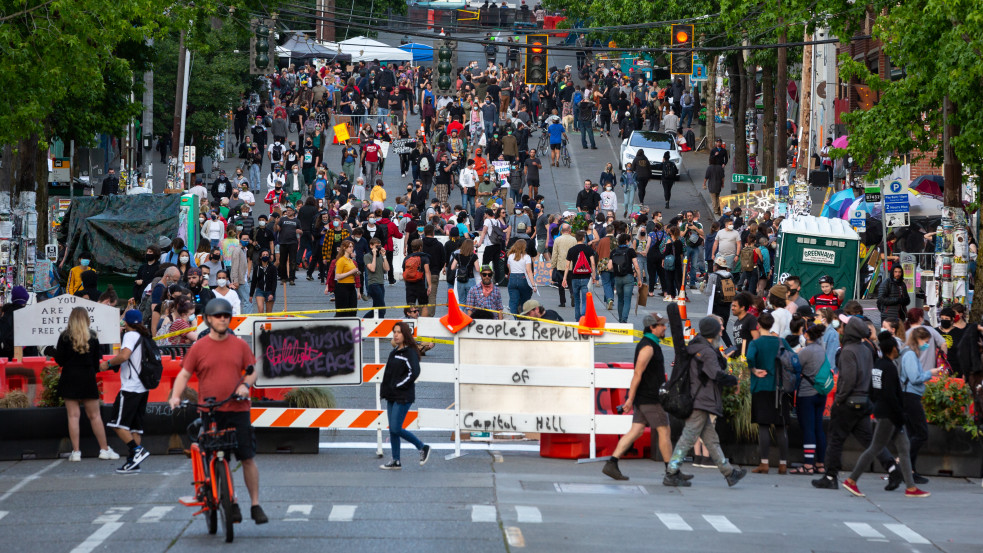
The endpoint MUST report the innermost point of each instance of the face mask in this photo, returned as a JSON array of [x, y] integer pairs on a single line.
[[220, 282], [945, 323], [730, 227], [265, 258], [214, 217], [295, 171], [372, 220], [518, 211], [184, 259], [201, 220], [150, 257], [262, 224], [215, 257], [336, 224], [923, 347], [245, 243], [84, 262]]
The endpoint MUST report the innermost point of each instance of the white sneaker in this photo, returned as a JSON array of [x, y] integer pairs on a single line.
[[108, 454], [75, 456]]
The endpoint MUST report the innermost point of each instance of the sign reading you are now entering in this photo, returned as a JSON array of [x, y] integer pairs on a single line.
[[40, 324]]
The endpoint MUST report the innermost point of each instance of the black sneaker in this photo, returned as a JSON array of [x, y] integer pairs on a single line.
[[236, 513], [258, 515], [139, 454], [129, 467], [391, 465], [826, 482], [735, 476], [675, 480], [918, 478], [424, 455], [611, 469], [894, 480], [685, 476]]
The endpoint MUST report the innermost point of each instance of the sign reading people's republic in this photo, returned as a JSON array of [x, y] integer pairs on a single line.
[[308, 353]]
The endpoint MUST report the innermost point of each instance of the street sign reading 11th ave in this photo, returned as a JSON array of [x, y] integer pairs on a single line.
[[738, 178]]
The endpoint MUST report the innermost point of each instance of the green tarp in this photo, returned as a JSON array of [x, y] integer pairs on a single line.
[[118, 229]]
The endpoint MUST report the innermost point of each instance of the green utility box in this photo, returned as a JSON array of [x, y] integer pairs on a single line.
[[810, 247]]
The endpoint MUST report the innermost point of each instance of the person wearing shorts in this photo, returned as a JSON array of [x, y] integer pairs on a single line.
[[219, 360], [131, 402], [643, 396]]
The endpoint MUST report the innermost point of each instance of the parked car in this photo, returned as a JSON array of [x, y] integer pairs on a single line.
[[655, 144]]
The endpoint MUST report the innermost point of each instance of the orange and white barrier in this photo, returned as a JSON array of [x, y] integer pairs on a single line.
[[346, 419]]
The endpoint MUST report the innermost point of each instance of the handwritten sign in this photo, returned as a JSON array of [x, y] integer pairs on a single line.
[[308, 353], [40, 324], [403, 145], [341, 132], [542, 273]]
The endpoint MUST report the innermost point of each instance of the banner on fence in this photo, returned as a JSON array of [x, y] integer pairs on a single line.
[[308, 353]]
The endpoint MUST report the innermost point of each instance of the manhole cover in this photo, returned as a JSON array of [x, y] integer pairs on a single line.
[[600, 489]]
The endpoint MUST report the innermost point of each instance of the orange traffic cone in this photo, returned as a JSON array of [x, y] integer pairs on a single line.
[[456, 318], [594, 324]]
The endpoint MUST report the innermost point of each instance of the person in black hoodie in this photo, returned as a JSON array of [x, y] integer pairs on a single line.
[[892, 296], [890, 415], [850, 413], [643, 172], [264, 281], [399, 390]]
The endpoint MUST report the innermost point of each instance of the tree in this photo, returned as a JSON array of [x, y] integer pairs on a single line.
[[934, 109]]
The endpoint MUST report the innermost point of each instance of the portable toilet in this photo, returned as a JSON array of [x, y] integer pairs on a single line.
[[810, 247]]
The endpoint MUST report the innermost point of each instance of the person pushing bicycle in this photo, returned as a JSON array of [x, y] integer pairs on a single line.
[[220, 360]]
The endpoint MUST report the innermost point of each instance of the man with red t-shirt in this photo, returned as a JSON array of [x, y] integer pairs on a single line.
[[370, 158], [219, 360]]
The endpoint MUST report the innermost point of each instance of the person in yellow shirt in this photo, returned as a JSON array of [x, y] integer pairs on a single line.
[[75, 274], [346, 290], [378, 194]]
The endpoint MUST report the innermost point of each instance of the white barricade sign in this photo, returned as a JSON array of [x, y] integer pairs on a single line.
[[40, 324], [315, 352]]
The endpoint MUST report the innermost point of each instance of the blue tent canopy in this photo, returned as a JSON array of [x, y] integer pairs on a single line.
[[420, 52]]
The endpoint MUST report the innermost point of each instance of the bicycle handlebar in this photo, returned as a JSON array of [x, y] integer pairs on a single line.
[[210, 404]]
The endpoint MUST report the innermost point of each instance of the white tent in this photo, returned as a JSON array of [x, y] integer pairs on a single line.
[[365, 49]]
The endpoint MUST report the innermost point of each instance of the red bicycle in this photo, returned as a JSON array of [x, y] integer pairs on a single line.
[[210, 451]]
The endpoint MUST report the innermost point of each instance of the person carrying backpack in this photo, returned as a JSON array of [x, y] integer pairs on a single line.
[[131, 402], [707, 372], [672, 264], [769, 404], [581, 269], [749, 258], [721, 287], [416, 274], [623, 264]]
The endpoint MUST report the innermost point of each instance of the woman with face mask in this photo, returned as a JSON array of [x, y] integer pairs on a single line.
[[222, 290], [263, 284], [146, 272], [628, 182], [609, 200], [892, 296]]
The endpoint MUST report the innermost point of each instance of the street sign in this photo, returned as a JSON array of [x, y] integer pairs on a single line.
[[897, 220], [872, 194], [858, 219], [738, 178], [896, 203], [699, 73], [897, 187]]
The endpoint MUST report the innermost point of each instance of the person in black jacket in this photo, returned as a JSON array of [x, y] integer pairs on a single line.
[[146, 272], [110, 184], [399, 390], [890, 416], [643, 172], [669, 174], [199, 294], [892, 296], [588, 199], [263, 284]]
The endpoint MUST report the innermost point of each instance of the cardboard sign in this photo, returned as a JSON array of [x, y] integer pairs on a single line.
[[40, 324], [542, 272], [341, 132], [308, 353]]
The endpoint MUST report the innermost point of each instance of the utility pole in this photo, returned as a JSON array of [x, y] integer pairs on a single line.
[[178, 99], [805, 111], [325, 29], [148, 124]]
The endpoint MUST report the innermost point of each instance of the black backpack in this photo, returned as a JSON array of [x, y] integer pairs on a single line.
[[621, 262], [151, 366], [675, 395]]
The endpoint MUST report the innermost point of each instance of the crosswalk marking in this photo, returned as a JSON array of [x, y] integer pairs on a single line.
[[864, 530], [112, 515], [906, 533], [342, 513], [528, 514], [484, 513], [155, 514], [3, 514], [300, 512], [721, 524], [674, 522]]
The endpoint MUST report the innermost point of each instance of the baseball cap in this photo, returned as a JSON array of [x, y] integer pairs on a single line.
[[487, 268], [530, 305], [653, 319], [133, 317], [727, 209]]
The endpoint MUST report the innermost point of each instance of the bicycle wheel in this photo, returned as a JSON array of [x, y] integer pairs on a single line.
[[224, 480], [566, 157]]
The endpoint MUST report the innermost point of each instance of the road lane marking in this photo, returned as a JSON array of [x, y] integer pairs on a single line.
[[514, 536], [28, 479], [3, 514], [906, 533], [112, 515], [528, 514], [864, 530], [155, 514], [342, 513], [301, 513], [721, 524], [674, 522], [97, 537], [484, 513]]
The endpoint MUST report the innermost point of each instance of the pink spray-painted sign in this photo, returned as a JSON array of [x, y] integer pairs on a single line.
[[308, 353]]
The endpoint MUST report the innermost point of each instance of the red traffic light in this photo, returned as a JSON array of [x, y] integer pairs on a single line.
[[682, 34]]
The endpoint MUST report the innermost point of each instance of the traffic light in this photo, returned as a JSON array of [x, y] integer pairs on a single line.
[[262, 50], [536, 59], [445, 55], [682, 37]]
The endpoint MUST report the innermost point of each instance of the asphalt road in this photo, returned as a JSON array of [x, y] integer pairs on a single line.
[[486, 501]]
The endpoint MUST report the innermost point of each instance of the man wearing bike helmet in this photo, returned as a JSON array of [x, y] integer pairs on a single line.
[[828, 298], [221, 361]]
